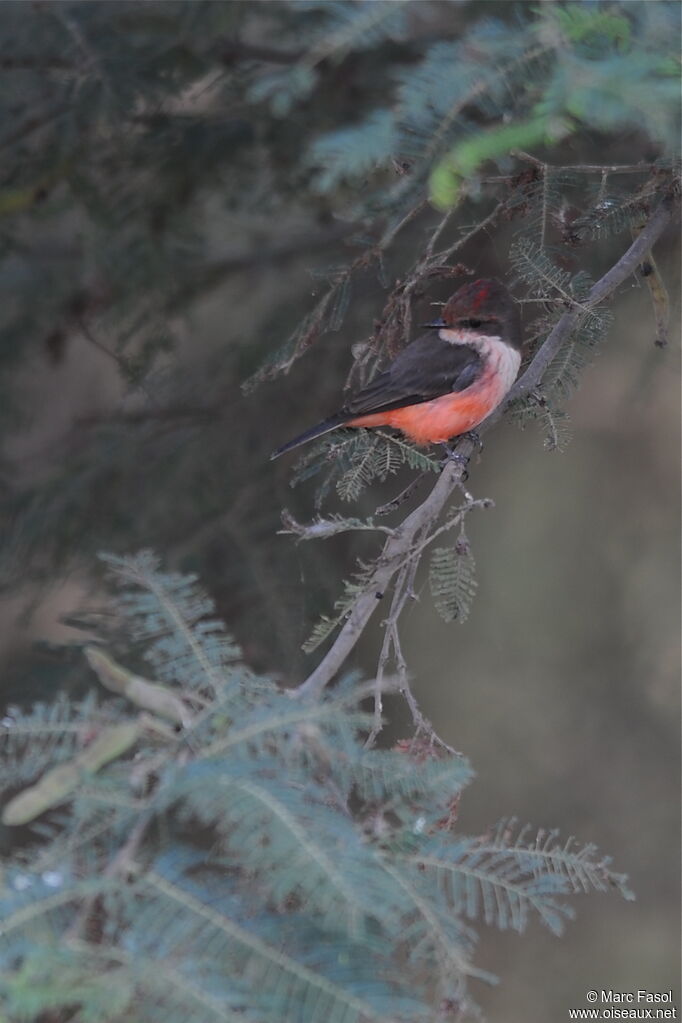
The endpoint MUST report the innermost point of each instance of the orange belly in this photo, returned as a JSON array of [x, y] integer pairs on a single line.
[[436, 421]]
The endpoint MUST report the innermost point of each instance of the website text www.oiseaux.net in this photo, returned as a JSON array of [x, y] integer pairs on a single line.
[[641, 1004]]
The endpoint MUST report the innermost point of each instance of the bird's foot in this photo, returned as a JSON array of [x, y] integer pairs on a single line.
[[457, 457], [475, 438], [454, 456], [451, 455]]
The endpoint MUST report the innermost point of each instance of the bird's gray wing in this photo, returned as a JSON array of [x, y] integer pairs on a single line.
[[426, 369]]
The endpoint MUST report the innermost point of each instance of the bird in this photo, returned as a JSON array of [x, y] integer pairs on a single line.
[[445, 382]]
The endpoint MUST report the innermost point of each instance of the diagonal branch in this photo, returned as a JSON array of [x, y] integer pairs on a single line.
[[605, 286], [396, 549], [400, 544]]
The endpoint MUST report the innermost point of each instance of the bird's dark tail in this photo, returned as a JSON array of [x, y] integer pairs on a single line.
[[314, 431]]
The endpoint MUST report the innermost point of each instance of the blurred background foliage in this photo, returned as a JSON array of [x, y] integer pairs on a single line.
[[191, 196]]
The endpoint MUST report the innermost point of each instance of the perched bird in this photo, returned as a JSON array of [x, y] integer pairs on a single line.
[[447, 381]]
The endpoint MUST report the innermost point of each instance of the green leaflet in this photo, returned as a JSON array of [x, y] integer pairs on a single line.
[[452, 582]]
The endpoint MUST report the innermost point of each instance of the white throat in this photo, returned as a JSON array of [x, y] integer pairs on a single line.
[[500, 359]]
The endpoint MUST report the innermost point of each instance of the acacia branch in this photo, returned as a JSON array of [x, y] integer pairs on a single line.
[[605, 286], [399, 546], [396, 549]]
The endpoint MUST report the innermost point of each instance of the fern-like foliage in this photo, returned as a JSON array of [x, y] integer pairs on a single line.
[[436, 99], [351, 152], [544, 278], [343, 27], [172, 617], [565, 370], [328, 623], [351, 460], [610, 212], [559, 290], [504, 879], [452, 580], [553, 422], [258, 863], [544, 197], [327, 315], [49, 734]]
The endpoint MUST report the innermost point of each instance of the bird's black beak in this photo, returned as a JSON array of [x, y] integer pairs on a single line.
[[435, 324]]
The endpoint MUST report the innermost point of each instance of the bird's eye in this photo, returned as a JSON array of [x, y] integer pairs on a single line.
[[471, 323]]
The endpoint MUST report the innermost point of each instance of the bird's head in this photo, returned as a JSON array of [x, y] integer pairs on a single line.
[[482, 307]]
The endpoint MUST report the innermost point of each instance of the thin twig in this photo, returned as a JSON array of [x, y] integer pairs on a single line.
[[392, 505], [438, 232], [403, 590], [657, 290], [396, 607], [321, 529], [32, 123], [89, 336], [455, 520], [445, 254], [545, 203], [582, 168], [390, 234]]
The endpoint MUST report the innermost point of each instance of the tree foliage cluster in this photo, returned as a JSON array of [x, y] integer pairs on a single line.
[[210, 848]]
